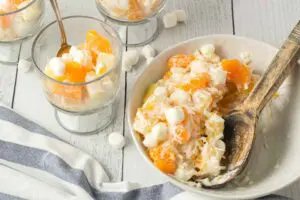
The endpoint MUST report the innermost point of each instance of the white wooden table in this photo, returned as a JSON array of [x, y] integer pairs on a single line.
[[266, 20]]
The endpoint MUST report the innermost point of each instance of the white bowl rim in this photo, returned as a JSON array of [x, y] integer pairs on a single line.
[[181, 185]]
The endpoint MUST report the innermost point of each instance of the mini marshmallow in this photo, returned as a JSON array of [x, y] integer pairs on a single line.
[[95, 88], [116, 140], [174, 115], [130, 58], [148, 51], [160, 91], [245, 57], [181, 15], [149, 60], [66, 57], [170, 20], [150, 141], [57, 66], [208, 50], [24, 65], [160, 131], [218, 76], [106, 59], [180, 97], [198, 67]]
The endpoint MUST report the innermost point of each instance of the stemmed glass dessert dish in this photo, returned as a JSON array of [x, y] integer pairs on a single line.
[[82, 84], [19, 20], [134, 16]]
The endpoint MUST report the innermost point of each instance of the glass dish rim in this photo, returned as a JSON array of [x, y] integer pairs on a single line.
[[83, 83], [103, 12], [19, 10]]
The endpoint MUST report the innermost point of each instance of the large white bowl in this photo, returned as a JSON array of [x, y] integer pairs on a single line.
[[275, 161]]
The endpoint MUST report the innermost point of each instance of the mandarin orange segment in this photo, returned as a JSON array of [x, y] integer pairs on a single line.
[[198, 83], [69, 92], [238, 73], [5, 21], [74, 72], [97, 43], [180, 60], [17, 1], [164, 159]]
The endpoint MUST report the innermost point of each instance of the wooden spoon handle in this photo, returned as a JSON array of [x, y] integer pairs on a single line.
[[59, 20], [277, 72]]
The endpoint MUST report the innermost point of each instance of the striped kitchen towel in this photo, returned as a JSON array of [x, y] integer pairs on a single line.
[[35, 164]]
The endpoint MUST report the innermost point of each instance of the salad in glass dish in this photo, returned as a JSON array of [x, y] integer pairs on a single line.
[[19, 19], [84, 65]]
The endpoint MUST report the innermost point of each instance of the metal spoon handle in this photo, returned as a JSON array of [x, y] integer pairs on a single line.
[[59, 20], [278, 70]]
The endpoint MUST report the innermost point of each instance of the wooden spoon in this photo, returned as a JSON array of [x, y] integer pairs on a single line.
[[241, 122], [64, 46]]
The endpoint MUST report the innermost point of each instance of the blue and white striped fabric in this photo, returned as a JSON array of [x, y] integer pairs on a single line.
[[35, 164]]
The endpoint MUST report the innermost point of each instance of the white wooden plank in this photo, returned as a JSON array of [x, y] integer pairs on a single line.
[[7, 83], [204, 17], [31, 102], [269, 21]]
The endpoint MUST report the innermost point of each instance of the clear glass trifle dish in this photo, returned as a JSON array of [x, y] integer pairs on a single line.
[[19, 20], [138, 17], [83, 84]]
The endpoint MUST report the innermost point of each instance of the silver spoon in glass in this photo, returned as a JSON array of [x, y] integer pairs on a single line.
[[64, 46], [240, 123]]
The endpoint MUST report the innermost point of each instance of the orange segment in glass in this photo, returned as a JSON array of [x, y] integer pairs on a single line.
[[180, 60], [74, 72], [5, 21], [238, 73], [69, 92], [97, 42], [164, 159]]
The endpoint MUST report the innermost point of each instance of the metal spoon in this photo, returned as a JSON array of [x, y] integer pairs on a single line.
[[240, 123], [64, 46]]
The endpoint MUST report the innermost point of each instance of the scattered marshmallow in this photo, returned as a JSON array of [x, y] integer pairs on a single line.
[[116, 140], [130, 58], [245, 57], [170, 20], [148, 51], [24, 65], [149, 60], [181, 15]]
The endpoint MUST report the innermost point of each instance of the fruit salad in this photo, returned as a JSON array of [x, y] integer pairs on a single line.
[[22, 23], [181, 120], [131, 10], [75, 87]]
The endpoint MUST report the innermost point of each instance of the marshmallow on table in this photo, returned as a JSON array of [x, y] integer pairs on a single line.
[[130, 58], [24, 65], [170, 20], [116, 140], [149, 60], [148, 51], [180, 14]]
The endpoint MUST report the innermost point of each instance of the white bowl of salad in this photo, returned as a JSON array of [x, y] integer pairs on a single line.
[[176, 111]]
